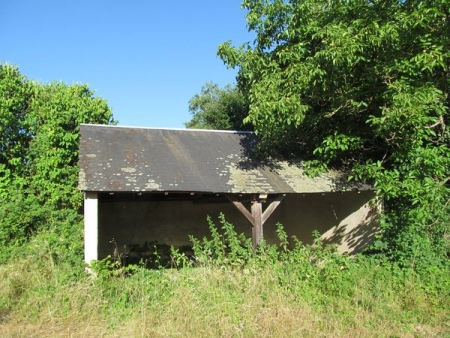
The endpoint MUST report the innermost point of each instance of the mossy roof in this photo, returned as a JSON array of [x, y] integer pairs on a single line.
[[130, 159]]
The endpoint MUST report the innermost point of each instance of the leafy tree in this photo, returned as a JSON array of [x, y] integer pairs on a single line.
[[40, 126], [364, 85], [57, 110], [15, 94], [216, 108]]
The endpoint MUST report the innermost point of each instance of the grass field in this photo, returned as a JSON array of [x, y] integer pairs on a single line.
[[302, 292]]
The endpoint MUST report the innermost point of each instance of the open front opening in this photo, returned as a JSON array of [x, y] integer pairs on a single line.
[[136, 220]]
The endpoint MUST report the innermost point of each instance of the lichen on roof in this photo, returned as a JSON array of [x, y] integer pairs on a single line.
[[142, 159]]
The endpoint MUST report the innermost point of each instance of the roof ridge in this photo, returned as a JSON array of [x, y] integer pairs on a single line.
[[174, 129]]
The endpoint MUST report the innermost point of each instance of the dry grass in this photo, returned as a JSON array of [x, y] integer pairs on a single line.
[[37, 299]]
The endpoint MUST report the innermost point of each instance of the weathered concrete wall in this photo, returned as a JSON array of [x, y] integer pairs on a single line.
[[346, 219], [90, 226]]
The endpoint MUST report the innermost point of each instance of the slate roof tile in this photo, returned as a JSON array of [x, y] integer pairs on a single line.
[[130, 159]]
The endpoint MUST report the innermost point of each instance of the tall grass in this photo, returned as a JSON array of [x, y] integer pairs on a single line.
[[224, 290]]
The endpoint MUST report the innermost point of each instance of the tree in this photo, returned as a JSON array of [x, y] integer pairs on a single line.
[[216, 108], [364, 85], [15, 94], [40, 126], [56, 112]]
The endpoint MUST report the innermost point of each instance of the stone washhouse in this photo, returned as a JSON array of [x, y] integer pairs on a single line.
[[146, 185]]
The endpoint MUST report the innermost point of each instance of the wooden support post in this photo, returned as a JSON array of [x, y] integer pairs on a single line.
[[256, 217], [257, 230]]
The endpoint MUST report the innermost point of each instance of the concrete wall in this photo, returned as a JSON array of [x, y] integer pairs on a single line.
[[344, 218]]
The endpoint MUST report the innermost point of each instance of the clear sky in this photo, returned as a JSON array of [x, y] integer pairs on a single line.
[[146, 58]]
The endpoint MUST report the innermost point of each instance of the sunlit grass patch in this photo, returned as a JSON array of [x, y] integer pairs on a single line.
[[276, 292]]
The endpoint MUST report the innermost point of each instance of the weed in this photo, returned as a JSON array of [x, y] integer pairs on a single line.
[[282, 290]]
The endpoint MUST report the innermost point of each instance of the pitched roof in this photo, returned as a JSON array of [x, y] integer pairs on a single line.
[[130, 159]]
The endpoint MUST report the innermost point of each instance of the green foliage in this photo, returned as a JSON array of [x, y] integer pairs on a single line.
[[225, 247], [364, 86], [39, 131], [216, 108], [15, 96], [57, 111], [296, 267], [333, 295]]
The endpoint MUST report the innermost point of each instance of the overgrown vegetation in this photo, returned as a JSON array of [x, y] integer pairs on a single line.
[[223, 290], [39, 134], [217, 108], [359, 85], [364, 86]]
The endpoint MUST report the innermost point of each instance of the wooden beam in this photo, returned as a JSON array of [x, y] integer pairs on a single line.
[[257, 217], [271, 208], [257, 231], [242, 209]]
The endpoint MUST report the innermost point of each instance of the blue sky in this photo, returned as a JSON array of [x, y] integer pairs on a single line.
[[146, 58]]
